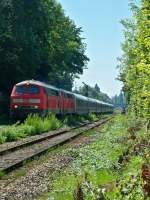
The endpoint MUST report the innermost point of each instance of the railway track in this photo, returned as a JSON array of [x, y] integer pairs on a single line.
[[16, 153], [11, 146]]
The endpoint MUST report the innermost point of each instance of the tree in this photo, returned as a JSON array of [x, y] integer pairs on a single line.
[[37, 41], [119, 100], [94, 93], [135, 63], [97, 89]]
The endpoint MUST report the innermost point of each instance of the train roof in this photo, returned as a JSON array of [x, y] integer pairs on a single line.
[[79, 96], [104, 103], [37, 83]]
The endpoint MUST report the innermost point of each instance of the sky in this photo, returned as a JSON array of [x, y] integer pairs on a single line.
[[103, 33]]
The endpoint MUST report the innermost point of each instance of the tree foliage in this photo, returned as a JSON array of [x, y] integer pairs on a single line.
[[38, 41], [135, 62], [119, 100], [93, 92]]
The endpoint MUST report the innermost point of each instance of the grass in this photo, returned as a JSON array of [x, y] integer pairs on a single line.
[[42, 124], [73, 120], [34, 124], [20, 173], [2, 174], [96, 172]]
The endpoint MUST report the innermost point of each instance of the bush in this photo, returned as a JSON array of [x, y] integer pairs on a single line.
[[11, 133], [35, 121], [42, 124], [33, 125], [53, 121], [70, 120], [92, 117], [25, 130], [73, 120]]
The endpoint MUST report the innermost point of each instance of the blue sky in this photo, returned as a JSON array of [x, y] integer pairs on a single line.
[[100, 21]]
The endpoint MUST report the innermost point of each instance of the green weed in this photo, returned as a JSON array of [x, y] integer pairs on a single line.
[[33, 125], [20, 173], [72, 120], [54, 122], [35, 121], [96, 166], [2, 138], [92, 117], [2, 174]]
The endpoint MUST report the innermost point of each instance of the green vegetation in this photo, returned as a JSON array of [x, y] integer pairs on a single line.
[[107, 168], [119, 100], [34, 124], [73, 120], [93, 92], [135, 62], [2, 174], [41, 43], [42, 124]]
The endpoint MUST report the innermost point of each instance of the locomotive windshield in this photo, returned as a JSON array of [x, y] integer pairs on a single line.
[[27, 89]]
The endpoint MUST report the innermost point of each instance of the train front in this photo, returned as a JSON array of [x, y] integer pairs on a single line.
[[27, 97]]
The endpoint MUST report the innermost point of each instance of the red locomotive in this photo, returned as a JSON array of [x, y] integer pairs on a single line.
[[36, 97]]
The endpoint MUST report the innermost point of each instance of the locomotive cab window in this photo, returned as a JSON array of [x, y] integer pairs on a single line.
[[27, 89]]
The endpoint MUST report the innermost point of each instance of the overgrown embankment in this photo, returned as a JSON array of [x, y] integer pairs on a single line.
[[35, 125], [112, 164]]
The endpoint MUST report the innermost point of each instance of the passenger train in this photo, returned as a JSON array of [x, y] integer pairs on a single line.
[[37, 97]]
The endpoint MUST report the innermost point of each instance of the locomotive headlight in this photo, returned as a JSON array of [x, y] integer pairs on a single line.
[[15, 106], [36, 107]]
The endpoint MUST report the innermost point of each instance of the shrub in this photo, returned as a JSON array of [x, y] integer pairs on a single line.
[[92, 117], [33, 125], [10, 134], [35, 121], [42, 124], [70, 120], [53, 121]]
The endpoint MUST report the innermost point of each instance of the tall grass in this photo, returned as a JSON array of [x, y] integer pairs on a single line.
[[42, 124], [92, 117], [33, 125], [14, 132]]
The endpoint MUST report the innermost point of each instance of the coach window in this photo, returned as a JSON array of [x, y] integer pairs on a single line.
[[69, 96], [65, 95]]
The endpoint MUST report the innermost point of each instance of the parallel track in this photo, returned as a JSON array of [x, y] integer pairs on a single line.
[[16, 154]]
